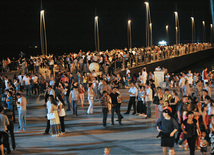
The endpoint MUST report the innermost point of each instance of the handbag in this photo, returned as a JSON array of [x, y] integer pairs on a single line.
[[156, 100], [50, 116]]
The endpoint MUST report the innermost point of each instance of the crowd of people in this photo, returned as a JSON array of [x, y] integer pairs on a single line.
[[186, 112]]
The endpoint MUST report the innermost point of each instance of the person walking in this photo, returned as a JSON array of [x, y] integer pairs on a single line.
[[91, 96], [149, 99], [4, 122], [81, 93], [26, 81], [104, 101], [168, 129], [55, 128], [62, 113], [9, 113], [21, 105], [115, 106], [74, 96], [133, 94], [191, 130]]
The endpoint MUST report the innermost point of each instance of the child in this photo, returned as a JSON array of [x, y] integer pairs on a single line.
[[203, 143], [107, 151]]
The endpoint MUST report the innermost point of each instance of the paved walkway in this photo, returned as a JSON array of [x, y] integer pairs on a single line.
[[85, 134]]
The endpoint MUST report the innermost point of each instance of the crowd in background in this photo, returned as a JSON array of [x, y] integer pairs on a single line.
[[65, 81]]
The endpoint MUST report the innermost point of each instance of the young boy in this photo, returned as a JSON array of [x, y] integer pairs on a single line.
[[107, 151], [203, 144]]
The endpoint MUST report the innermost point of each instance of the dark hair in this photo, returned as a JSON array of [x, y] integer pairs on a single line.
[[18, 94], [205, 90], [175, 92], [159, 87], [189, 113], [185, 96], [166, 89], [104, 92], [1, 108], [167, 111]]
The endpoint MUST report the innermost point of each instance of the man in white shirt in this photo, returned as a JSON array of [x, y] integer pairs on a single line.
[[144, 76], [21, 105], [148, 99], [133, 94], [127, 71], [26, 81]]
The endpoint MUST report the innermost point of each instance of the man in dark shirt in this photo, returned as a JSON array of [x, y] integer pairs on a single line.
[[115, 106], [9, 114], [66, 98], [180, 115]]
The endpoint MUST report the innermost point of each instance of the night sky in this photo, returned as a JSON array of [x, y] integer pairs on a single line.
[[70, 23]]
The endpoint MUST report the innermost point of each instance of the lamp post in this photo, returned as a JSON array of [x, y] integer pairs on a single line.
[[193, 28], [204, 31], [43, 36], [177, 33], [167, 33], [96, 34], [129, 35], [148, 27]]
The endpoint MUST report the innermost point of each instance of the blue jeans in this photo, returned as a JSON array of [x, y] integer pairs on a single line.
[[149, 114], [66, 98], [75, 107], [22, 119], [27, 89]]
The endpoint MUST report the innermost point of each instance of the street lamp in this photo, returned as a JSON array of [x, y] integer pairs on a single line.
[[96, 34], [167, 33], [150, 26], [129, 35], [43, 36], [204, 31], [193, 23], [177, 33]]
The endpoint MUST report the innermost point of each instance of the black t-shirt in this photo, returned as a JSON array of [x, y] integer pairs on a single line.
[[114, 97], [190, 128], [68, 91]]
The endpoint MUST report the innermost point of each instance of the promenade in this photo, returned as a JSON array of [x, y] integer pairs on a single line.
[[85, 134]]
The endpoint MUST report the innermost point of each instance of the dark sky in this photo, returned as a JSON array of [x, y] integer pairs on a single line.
[[70, 23]]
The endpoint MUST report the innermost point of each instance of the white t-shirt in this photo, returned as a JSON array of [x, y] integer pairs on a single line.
[[49, 107], [27, 80], [62, 112]]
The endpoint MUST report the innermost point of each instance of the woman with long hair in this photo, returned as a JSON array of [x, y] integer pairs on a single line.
[[191, 130], [54, 122], [61, 105], [81, 93]]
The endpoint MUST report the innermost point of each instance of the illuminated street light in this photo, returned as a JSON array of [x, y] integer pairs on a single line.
[[204, 31], [177, 33], [193, 29], [96, 34], [43, 37], [129, 34], [167, 33]]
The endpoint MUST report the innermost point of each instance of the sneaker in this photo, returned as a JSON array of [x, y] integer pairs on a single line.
[[62, 133], [20, 130]]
